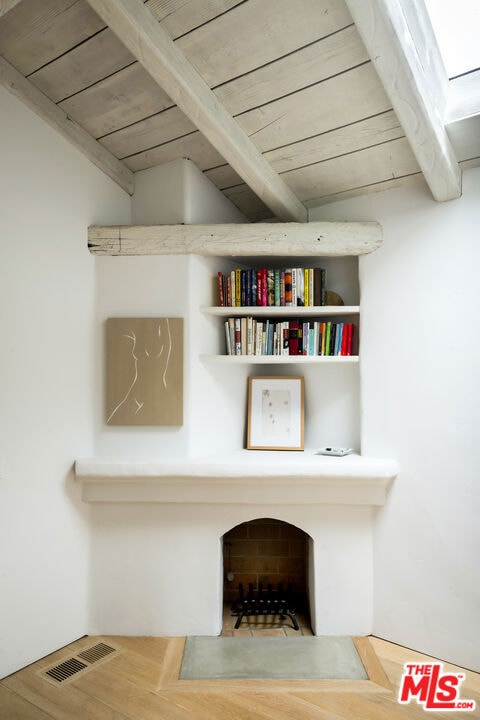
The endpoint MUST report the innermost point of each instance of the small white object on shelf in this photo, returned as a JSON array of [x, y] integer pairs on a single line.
[[335, 451]]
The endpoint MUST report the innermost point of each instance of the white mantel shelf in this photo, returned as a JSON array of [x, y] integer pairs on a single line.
[[243, 477]]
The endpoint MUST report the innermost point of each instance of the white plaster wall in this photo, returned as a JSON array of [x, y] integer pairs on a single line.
[[203, 202], [420, 392], [159, 194], [49, 195], [168, 286], [178, 192]]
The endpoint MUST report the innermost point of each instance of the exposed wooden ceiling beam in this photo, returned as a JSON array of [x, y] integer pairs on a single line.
[[395, 38], [140, 32], [6, 5], [25, 91], [238, 240]]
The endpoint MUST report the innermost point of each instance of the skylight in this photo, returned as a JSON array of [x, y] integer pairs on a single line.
[[457, 29]]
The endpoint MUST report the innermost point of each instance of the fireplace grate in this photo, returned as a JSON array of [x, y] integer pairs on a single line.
[[272, 602]]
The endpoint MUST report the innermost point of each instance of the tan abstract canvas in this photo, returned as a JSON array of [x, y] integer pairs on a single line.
[[144, 371]]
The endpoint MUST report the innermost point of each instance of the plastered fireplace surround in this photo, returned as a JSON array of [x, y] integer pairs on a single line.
[[157, 546]]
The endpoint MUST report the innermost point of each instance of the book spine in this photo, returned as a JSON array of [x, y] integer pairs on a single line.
[[323, 291], [276, 287], [270, 288], [300, 287], [306, 335], [306, 287], [351, 328], [343, 349], [227, 338], [228, 291], [282, 288], [221, 289], [258, 338], [259, 287], [238, 288], [264, 337], [311, 339], [232, 288], [338, 340], [333, 332], [293, 337], [286, 337], [264, 287], [238, 337], [300, 338], [317, 286], [231, 327], [243, 335], [316, 336], [288, 287], [253, 286], [250, 335], [328, 331]]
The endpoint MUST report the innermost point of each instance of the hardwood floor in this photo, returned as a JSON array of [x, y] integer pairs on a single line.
[[139, 681]]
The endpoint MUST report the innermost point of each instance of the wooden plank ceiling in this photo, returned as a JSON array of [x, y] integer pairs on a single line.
[[295, 77]]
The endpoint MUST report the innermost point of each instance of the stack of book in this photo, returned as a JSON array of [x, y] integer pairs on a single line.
[[269, 287], [249, 336]]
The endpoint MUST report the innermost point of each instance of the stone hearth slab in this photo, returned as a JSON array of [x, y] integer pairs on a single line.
[[322, 657]]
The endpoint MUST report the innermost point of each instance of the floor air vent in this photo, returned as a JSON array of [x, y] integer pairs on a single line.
[[96, 653], [80, 663], [65, 670]]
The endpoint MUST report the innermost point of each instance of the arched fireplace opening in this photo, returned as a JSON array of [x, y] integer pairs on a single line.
[[266, 579]]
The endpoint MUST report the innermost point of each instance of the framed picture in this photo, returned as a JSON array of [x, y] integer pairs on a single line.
[[144, 371], [275, 413]]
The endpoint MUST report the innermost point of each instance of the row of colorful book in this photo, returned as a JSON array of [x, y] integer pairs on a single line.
[[272, 287], [249, 336]]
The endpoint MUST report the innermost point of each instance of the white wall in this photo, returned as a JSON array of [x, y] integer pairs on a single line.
[[166, 286], [49, 195], [178, 192], [421, 404]]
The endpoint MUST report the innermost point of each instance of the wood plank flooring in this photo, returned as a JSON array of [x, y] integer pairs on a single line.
[[140, 682]]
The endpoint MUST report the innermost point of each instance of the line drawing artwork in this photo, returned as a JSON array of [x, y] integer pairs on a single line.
[[142, 379], [135, 376], [276, 412]]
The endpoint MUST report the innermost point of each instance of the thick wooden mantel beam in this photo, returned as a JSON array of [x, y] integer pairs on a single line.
[[399, 39], [150, 44], [249, 239]]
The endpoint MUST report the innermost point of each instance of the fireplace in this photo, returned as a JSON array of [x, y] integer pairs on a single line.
[[265, 571], [159, 531]]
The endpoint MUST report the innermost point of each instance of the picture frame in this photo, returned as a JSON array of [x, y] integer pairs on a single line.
[[144, 371], [275, 413]]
